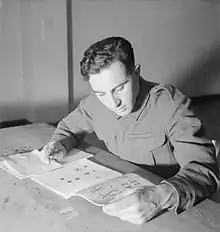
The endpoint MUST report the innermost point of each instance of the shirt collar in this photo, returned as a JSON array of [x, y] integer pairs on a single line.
[[141, 100]]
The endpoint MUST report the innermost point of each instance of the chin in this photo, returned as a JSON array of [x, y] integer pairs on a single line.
[[124, 113]]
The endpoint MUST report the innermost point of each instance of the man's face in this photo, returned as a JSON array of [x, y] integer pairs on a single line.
[[115, 89]]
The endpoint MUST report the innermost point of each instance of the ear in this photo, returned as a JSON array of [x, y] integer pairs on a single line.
[[137, 69]]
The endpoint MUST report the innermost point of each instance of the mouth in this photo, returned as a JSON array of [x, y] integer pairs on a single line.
[[122, 109]]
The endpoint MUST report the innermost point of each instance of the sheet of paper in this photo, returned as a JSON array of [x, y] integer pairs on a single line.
[[76, 154], [75, 176], [27, 164], [111, 190]]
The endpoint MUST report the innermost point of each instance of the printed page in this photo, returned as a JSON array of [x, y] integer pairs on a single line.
[[109, 191], [75, 176]]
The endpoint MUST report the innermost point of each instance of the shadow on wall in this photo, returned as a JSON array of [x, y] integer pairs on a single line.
[[200, 81], [203, 77]]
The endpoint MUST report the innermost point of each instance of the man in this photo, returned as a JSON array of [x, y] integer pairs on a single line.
[[148, 124]]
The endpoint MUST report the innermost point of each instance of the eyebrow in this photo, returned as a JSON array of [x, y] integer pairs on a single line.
[[123, 83]]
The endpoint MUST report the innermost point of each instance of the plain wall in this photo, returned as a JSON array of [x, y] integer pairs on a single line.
[[33, 60], [11, 74], [172, 39]]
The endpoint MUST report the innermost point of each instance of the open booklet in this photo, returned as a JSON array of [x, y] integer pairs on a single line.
[[79, 176], [95, 183]]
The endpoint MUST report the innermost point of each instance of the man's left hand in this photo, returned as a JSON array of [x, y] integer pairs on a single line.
[[143, 204]]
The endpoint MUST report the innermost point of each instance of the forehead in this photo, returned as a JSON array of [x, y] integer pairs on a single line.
[[108, 78]]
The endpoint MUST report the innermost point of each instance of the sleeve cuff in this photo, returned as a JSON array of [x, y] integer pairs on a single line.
[[186, 196], [175, 206]]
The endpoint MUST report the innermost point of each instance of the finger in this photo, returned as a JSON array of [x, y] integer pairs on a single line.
[[132, 217], [46, 151], [136, 221], [152, 211], [58, 155], [136, 211], [44, 158], [139, 217], [132, 210], [51, 149], [129, 210]]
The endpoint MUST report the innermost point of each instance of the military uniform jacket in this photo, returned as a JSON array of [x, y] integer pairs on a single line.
[[162, 134]]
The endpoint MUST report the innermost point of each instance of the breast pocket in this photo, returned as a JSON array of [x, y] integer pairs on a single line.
[[162, 152], [153, 150], [140, 147], [147, 141]]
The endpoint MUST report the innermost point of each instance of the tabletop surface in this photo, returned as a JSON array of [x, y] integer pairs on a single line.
[[27, 206]]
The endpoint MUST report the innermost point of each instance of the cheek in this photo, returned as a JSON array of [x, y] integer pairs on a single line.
[[105, 102], [102, 100], [128, 98]]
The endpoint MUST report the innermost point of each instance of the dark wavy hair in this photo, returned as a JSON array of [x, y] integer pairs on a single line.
[[103, 53]]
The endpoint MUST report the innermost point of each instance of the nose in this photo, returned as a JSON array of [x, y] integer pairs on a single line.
[[114, 102]]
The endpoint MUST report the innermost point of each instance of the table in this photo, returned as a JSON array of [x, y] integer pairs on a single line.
[[26, 206]]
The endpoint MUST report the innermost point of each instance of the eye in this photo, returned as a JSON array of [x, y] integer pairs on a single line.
[[100, 94], [120, 88]]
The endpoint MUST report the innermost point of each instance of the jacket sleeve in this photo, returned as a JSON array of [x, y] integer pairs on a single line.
[[198, 176], [72, 129]]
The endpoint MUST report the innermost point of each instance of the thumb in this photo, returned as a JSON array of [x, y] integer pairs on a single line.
[[43, 156], [57, 155]]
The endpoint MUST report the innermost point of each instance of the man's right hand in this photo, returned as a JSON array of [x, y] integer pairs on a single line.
[[53, 151]]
